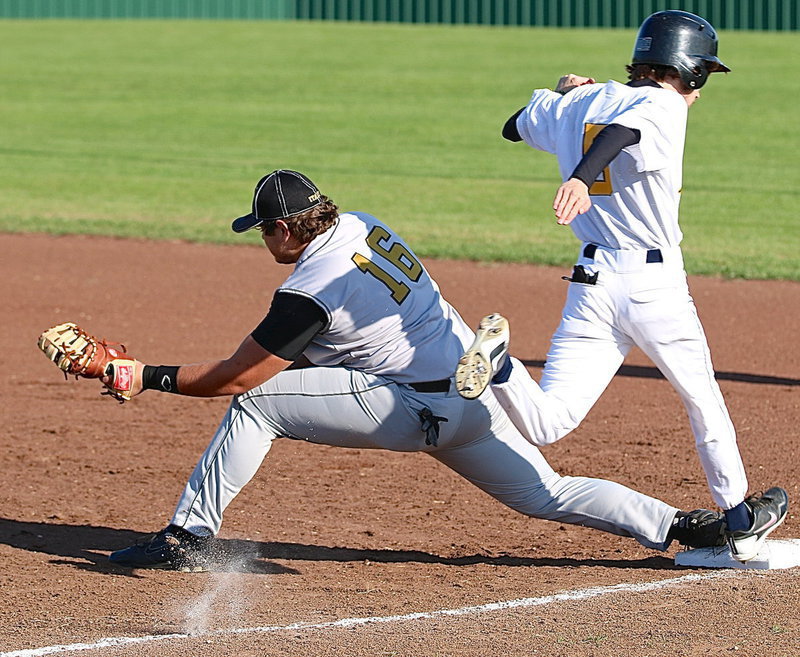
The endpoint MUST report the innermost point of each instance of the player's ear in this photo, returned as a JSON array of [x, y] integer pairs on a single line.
[[283, 229]]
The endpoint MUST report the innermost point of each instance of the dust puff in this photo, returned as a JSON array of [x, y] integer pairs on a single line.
[[222, 603]]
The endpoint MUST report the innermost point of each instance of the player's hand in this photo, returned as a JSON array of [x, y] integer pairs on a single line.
[[111, 380], [571, 81], [572, 199]]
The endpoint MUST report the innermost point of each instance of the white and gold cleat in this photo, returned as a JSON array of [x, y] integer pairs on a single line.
[[484, 358]]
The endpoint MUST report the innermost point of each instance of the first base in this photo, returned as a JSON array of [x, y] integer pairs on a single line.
[[774, 555]]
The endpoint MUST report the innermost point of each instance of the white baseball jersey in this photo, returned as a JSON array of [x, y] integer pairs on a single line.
[[627, 297], [386, 315], [635, 200]]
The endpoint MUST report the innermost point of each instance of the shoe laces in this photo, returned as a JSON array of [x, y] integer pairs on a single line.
[[149, 538], [753, 498]]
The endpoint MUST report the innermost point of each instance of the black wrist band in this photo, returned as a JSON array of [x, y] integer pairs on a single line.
[[162, 377]]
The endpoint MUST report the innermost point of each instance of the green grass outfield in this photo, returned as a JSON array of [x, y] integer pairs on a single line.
[[160, 129]]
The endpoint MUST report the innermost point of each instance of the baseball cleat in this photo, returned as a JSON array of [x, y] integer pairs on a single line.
[[173, 548], [484, 358], [698, 529], [769, 511]]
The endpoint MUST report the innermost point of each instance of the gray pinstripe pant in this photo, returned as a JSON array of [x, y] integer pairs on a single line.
[[347, 408]]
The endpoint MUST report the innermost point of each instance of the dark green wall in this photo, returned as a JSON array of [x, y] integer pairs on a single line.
[[723, 14]]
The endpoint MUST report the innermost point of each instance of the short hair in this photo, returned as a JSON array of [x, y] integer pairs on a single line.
[[657, 72], [305, 226]]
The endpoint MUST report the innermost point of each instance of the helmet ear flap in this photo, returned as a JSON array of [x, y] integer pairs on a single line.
[[696, 75]]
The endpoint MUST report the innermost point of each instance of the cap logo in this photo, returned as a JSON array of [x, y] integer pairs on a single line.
[[643, 44], [314, 197]]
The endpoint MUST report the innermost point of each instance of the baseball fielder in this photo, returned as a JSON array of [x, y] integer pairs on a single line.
[[620, 151], [380, 345]]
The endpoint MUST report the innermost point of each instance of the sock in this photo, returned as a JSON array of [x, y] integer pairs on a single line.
[[504, 372], [674, 526], [738, 518]]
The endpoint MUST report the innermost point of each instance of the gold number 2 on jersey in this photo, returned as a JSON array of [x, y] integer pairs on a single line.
[[398, 255], [601, 186]]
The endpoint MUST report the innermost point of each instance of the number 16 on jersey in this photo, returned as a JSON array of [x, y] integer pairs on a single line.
[[395, 253]]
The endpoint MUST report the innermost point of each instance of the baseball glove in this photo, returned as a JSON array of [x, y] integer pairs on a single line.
[[77, 352]]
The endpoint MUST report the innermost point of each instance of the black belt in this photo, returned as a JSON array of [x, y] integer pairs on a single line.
[[443, 385], [653, 255]]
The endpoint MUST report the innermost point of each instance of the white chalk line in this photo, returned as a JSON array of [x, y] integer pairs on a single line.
[[566, 596]]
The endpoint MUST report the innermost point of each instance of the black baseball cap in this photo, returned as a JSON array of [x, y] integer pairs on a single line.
[[279, 195]]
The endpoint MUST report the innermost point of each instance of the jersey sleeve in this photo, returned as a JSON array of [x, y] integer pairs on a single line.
[[536, 123], [291, 323], [660, 119]]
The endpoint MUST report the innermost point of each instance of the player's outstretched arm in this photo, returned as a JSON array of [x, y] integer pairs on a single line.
[[248, 367]]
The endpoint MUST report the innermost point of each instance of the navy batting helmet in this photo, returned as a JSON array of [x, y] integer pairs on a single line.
[[682, 40]]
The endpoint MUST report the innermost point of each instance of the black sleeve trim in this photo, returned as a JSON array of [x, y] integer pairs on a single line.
[[510, 131], [606, 146], [291, 323]]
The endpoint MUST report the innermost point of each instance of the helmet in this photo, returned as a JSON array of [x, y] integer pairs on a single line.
[[679, 39]]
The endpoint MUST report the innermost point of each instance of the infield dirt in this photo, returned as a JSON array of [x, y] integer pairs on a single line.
[[323, 533]]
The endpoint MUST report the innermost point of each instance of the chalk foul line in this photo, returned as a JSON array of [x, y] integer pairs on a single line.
[[566, 596]]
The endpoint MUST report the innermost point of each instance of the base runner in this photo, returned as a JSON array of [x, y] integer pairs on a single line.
[[620, 152]]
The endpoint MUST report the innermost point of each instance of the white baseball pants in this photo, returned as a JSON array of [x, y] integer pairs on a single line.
[[634, 302]]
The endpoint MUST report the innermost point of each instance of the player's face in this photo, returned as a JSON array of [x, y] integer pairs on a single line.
[[691, 97], [273, 243], [278, 244], [688, 94]]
